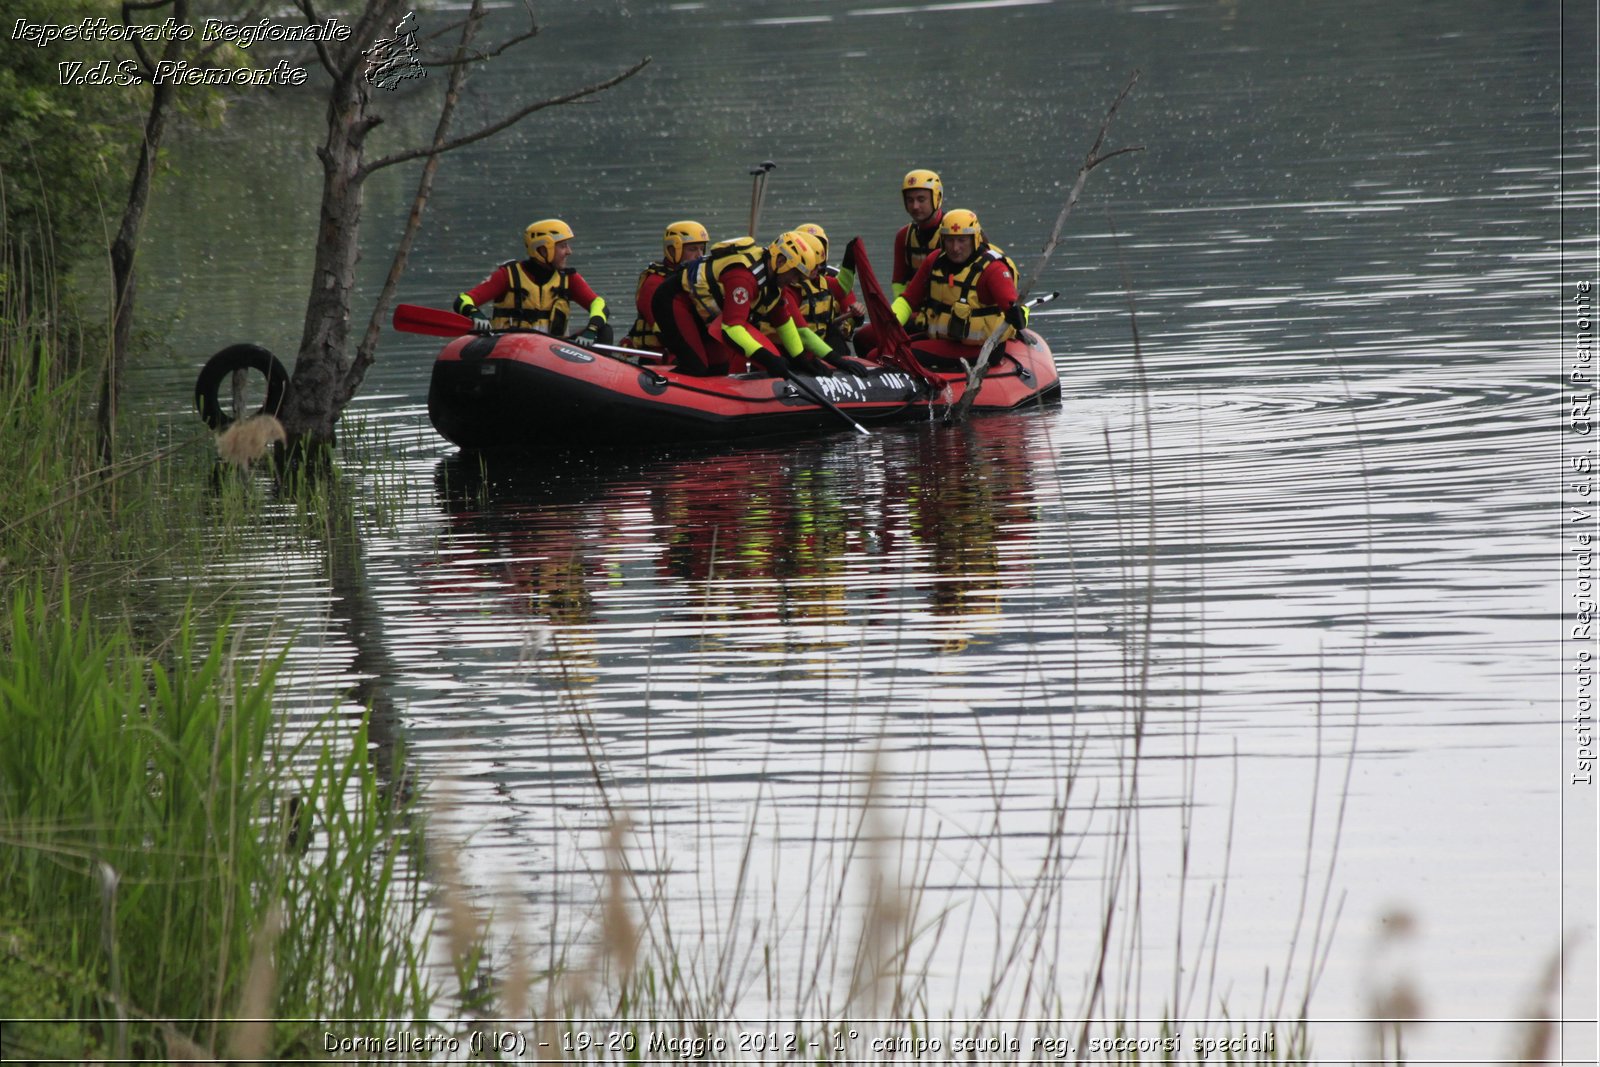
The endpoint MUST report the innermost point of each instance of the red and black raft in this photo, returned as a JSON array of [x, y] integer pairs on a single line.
[[522, 389]]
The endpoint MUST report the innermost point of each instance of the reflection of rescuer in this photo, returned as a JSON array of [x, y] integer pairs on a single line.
[[964, 291], [683, 242], [537, 293], [734, 286]]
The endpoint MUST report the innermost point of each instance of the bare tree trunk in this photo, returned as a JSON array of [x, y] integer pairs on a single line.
[[125, 249], [321, 363]]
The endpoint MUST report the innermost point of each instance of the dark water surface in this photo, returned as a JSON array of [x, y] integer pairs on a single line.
[[1319, 540]]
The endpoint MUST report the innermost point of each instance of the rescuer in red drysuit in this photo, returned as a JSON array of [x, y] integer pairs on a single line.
[[733, 287], [683, 242], [537, 293], [965, 291], [923, 195]]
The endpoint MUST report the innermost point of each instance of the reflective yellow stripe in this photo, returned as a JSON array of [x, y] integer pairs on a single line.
[[742, 337]]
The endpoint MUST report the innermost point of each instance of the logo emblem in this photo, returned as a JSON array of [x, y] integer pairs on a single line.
[[741, 295]]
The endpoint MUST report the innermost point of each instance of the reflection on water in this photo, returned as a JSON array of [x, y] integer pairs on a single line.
[[1342, 240]]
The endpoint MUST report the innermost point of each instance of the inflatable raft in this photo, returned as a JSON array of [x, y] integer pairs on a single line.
[[523, 389]]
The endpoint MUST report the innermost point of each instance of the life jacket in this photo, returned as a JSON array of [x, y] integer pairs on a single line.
[[952, 310], [529, 305], [820, 307], [645, 333], [702, 279], [922, 242], [816, 300]]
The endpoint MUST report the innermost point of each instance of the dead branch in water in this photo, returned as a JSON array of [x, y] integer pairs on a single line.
[[959, 410]]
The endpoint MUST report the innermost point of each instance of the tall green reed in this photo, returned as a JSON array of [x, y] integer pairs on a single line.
[[153, 818]]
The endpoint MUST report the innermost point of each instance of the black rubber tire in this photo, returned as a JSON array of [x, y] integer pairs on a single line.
[[235, 358]]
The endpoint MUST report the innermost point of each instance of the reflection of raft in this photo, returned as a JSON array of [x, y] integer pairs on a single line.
[[522, 389]]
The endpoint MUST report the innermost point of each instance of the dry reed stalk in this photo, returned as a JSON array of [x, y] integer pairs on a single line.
[[251, 1037], [879, 960], [248, 440], [619, 937], [1393, 1001], [1539, 1032]]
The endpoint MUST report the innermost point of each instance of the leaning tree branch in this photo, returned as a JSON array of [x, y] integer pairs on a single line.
[[324, 56], [958, 411], [128, 8], [1094, 159], [489, 131], [479, 57]]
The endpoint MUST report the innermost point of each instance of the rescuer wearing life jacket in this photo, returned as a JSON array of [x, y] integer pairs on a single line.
[[964, 291], [684, 242], [825, 302], [537, 293], [923, 195], [735, 286]]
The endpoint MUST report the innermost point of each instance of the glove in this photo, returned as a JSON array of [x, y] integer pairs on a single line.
[[842, 360], [481, 323], [599, 329], [1017, 316], [849, 262]]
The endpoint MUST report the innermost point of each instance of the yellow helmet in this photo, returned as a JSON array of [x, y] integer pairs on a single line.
[[794, 250], [541, 239], [959, 222], [822, 238], [923, 179], [683, 233]]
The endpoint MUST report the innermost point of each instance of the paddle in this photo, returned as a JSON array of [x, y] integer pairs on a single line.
[[644, 354], [812, 394], [758, 190], [414, 318], [442, 323]]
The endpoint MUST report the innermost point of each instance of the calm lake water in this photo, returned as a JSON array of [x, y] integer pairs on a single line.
[[1292, 597]]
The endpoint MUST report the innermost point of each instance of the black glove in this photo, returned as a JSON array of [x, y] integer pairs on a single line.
[[1017, 316], [599, 329], [481, 323], [840, 358], [849, 261]]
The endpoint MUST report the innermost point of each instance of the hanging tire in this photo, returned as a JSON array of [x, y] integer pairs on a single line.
[[220, 367]]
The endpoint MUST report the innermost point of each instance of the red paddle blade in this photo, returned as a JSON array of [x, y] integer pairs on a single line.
[[413, 318]]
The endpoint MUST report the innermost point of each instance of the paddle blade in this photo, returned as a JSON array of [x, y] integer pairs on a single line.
[[413, 318]]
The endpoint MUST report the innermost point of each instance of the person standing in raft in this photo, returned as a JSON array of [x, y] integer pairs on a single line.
[[683, 243], [537, 293], [922, 193], [965, 291], [735, 286]]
